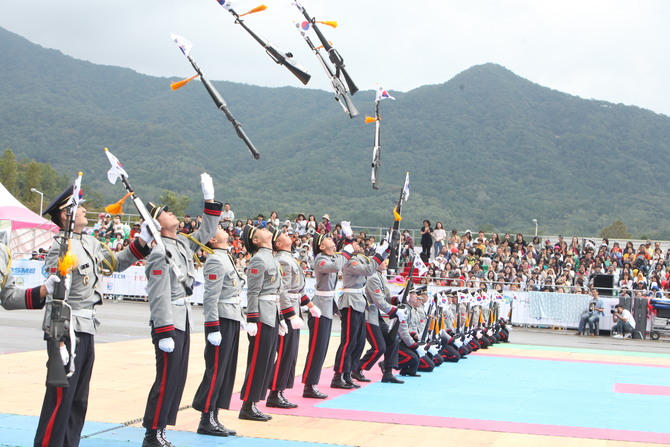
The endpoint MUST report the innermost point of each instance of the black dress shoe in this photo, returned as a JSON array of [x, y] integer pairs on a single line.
[[339, 383], [208, 425], [221, 426], [358, 375], [156, 438], [409, 374], [286, 401], [276, 400], [311, 392], [347, 379], [389, 377], [251, 413]]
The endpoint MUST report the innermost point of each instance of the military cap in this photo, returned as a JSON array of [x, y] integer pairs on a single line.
[[316, 243], [275, 232], [420, 289], [247, 237], [59, 203], [155, 210]]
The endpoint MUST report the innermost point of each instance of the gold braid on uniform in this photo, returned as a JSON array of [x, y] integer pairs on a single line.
[[204, 248], [106, 267]]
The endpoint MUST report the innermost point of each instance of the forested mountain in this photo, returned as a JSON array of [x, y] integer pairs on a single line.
[[486, 149]]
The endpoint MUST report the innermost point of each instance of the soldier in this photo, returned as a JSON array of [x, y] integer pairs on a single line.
[[409, 351], [292, 297], [416, 321], [170, 279], [64, 408], [263, 321], [376, 329], [11, 297], [223, 318], [327, 264]]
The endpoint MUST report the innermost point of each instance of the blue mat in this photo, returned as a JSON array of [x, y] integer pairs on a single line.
[[19, 431], [533, 391]]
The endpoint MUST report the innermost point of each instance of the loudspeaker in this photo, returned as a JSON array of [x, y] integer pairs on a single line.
[[604, 284]]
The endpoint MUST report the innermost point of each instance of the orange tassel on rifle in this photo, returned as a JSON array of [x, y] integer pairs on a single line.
[[117, 208], [183, 82]]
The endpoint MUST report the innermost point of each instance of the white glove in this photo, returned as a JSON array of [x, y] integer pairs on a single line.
[[433, 350], [296, 323], [381, 248], [346, 228], [283, 330], [214, 338], [458, 343], [420, 351], [50, 284], [443, 332], [315, 311], [166, 344], [207, 186], [349, 248], [252, 329], [65, 355], [508, 327], [401, 315], [145, 232]]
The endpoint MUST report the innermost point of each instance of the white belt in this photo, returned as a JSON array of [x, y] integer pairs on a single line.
[[325, 292], [233, 300], [268, 298], [84, 313], [179, 302], [294, 295], [353, 290]]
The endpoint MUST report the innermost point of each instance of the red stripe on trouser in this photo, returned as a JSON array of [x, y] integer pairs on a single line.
[[280, 353], [312, 348], [424, 363], [406, 359], [347, 338], [215, 374], [374, 344], [161, 393], [52, 419], [250, 377]]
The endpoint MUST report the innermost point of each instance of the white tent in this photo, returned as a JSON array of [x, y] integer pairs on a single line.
[[27, 230]]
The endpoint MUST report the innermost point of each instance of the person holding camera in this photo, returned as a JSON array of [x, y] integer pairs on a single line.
[[624, 323], [592, 315]]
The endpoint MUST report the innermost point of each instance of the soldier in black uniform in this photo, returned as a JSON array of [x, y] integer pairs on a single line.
[[64, 408], [223, 318], [170, 279]]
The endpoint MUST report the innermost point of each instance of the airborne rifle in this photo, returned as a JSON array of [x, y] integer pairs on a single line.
[[377, 149], [285, 59]]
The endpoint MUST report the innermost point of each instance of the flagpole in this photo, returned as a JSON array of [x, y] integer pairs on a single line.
[[393, 255]]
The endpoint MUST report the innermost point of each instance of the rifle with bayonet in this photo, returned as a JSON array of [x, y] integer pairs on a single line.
[[57, 324], [397, 216], [185, 47], [285, 59]]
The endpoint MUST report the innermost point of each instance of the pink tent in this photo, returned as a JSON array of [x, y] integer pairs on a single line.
[[27, 230]]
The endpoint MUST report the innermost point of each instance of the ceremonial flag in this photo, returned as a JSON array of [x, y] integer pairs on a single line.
[[419, 265], [383, 94], [405, 188], [76, 192], [226, 4], [183, 44], [116, 170]]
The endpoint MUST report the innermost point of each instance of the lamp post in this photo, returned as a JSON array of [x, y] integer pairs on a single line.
[[535, 222], [41, 198]]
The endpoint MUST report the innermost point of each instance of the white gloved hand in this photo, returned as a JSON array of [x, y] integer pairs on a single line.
[[382, 247], [252, 329], [315, 311], [283, 330], [401, 315], [349, 248], [214, 338], [145, 232], [458, 343], [50, 284], [346, 228], [296, 323], [443, 332], [508, 327], [207, 186], [65, 355], [433, 350], [420, 351], [166, 344]]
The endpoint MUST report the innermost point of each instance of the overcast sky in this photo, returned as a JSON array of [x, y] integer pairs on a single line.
[[611, 50]]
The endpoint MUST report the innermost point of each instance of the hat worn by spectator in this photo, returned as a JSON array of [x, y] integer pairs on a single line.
[[325, 216]]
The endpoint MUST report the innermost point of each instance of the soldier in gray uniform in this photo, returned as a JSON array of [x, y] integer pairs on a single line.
[[64, 408], [327, 264], [263, 321], [11, 297], [377, 331], [170, 278], [223, 318], [416, 322], [292, 297]]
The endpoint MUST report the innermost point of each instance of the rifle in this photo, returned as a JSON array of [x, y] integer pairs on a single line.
[[285, 59], [333, 54], [341, 93], [429, 324], [377, 149], [57, 324], [117, 172], [185, 48], [393, 255], [393, 331]]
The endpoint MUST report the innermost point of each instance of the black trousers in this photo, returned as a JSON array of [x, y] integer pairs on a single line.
[[319, 338], [449, 353], [260, 358], [216, 387], [408, 359], [283, 373], [426, 364], [64, 408], [352, 339], [168, 387], [375, 337]]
